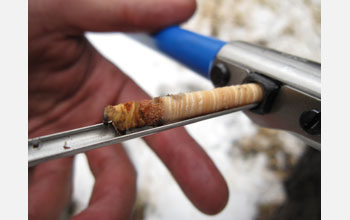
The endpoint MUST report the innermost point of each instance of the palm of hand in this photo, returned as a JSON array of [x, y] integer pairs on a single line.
[[70, 83]]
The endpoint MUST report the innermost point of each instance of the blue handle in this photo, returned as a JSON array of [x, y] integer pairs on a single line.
[[195, 51]]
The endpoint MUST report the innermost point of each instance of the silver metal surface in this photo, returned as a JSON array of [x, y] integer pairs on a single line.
[[300, 84], [296, 72], [288, 106], [76, 141]]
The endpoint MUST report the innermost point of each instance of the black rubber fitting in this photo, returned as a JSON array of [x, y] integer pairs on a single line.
[[271, 89], [310, 121], [219, 75]]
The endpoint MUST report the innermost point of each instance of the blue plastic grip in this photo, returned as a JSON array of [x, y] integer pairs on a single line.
[[195, 51]]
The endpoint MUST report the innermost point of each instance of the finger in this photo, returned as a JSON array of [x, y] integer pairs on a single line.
[[195, 172], [121, 15], [50, 188], [189, 164], [114, 191]]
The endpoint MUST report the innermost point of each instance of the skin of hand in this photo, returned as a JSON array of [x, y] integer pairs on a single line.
[[70, 83]]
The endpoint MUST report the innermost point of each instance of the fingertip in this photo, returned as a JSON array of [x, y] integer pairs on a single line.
[[187, 7], [181, 11], [209, 192], [191, 167], [216, 198], [157, 14]]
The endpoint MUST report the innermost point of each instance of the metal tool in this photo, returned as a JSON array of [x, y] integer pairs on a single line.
[[292, 88], [79, 140], [293, 83], [297, 105]]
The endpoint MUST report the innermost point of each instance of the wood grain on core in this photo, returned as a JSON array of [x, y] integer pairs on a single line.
[[172, 108]]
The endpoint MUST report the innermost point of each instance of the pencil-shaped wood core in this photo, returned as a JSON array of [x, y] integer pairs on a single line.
[[171, 108]]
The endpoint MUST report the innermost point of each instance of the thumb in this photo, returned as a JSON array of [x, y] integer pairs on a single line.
[[120, 15]]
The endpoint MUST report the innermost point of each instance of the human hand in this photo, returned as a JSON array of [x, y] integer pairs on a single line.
[[70, 83]]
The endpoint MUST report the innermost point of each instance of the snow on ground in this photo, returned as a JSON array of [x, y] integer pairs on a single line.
[[289, 26]]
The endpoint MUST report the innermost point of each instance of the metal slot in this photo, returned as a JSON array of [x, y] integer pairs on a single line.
[[76, 141]]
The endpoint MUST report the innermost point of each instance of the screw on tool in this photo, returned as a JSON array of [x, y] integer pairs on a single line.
[[219, 75], [310, 122]]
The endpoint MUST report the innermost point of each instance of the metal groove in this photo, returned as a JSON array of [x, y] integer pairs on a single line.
[[79, 140]]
